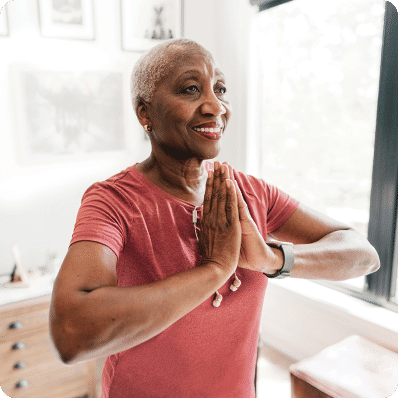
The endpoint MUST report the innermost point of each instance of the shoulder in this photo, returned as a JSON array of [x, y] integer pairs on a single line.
[[266, 197], [113, 188], [252, 186]]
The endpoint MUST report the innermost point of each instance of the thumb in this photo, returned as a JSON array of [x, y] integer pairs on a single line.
[[244, 214]]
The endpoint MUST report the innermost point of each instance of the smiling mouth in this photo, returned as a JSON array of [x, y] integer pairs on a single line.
[[208, 129], [213, 133]]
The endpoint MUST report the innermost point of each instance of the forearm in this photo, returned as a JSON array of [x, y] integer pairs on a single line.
[[340, 255], [108, 320]]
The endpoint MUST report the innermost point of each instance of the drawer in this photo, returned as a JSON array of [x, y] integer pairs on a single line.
[[21, 321], [36, 351], [43, 374], [51, 380]]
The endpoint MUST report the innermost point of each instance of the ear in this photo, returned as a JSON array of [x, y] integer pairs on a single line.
[[142, 112]]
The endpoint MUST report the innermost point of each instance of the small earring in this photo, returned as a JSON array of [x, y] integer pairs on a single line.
[[147, 128], [217, 300], [235, 284]]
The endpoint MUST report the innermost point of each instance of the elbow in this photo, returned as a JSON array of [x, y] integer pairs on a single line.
[[63, 349], [66, 343], [372, 262], [66, 357], [376, 263], [68, 351], [367, 258]]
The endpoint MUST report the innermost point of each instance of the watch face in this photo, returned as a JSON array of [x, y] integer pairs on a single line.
[[288, 255]]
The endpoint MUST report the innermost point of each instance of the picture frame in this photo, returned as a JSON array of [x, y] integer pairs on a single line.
[[67, 19], [64, 116], [4, 21], [146, 23]]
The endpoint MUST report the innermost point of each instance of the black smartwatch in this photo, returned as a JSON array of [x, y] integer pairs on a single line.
[[288, 259]]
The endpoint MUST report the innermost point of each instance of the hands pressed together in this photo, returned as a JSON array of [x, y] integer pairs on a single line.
[[229, 237]]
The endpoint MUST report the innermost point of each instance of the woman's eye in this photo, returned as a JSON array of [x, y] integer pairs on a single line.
[[191, 89], [221, 89]]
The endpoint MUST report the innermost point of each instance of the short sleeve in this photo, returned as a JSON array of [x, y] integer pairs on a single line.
[[269, 206], [100, 218], [280, 207]]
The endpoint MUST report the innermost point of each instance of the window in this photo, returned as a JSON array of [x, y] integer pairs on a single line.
[[314, 92]]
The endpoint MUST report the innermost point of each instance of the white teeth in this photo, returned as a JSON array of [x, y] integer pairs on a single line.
[[208, 130]]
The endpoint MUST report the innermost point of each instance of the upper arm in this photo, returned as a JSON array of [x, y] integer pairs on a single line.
[[86, 267], [306, 225]]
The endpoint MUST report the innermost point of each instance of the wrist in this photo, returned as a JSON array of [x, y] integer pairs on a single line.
[[219, 271], [278, 262], [287, 250]]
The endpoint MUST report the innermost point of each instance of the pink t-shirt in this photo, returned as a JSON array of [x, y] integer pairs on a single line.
[[210, 352]]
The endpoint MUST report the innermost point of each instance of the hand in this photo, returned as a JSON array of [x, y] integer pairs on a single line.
[[220, 230], [255, 254]]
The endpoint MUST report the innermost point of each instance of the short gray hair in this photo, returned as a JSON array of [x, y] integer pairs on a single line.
[[153, 65]]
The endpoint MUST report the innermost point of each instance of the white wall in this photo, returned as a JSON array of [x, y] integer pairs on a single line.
[[300, 318], [39, 200]]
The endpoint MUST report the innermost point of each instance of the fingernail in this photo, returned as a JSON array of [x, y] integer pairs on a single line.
[[228, 182], [215, 165]]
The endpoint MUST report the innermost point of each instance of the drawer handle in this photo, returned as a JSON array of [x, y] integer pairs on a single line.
[[22, 384], [20, 365], [16, 325], [18, 346]]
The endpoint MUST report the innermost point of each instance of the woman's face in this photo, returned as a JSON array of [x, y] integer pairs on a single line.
[[189, 110]]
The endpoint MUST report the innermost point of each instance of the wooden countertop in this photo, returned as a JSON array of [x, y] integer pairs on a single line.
[[41, 286]]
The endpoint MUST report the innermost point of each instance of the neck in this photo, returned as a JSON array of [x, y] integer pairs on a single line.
[[185, 179]]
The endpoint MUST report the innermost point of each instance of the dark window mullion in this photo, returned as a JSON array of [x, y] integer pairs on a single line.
[[271, 3], [383, 202]]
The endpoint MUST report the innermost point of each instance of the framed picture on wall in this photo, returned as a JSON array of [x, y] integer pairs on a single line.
[[67, 19], [63, 116], [3, 21], [146, 23]]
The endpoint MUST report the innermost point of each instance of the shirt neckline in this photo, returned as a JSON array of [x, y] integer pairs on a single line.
[[160, 191]]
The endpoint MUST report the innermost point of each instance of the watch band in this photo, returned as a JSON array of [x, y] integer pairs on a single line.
[[288, 259]]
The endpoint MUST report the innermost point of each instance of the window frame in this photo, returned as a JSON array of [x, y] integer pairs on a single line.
[[384, 191], [272, 3], [380, 287]]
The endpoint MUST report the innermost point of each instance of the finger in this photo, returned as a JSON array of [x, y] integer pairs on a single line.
[[226, 164], [224, 172], [232, 211], [231, 172], [222, 194], [208, 193], [242, 206], [216, 186], [241, 201]]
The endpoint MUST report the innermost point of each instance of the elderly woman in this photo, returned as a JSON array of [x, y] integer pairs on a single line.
[[169, 259]]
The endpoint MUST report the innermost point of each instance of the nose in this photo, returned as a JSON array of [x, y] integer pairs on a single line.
[[212, 105]]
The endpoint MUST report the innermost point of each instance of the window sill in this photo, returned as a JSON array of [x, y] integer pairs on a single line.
[[300, 318]]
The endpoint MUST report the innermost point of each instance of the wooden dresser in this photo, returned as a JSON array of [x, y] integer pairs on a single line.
[[28, 366]]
